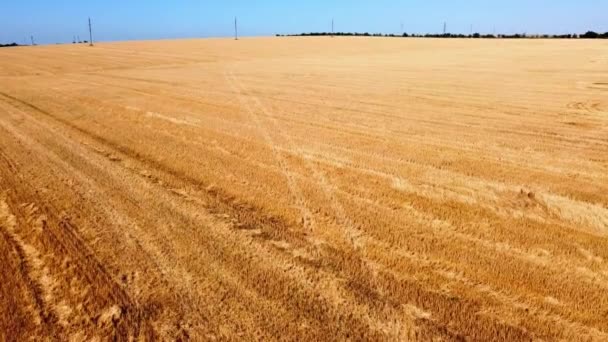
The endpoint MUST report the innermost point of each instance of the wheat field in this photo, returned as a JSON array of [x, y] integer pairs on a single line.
[[305, 189]]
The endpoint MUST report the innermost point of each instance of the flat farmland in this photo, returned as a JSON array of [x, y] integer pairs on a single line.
[[305, 189]]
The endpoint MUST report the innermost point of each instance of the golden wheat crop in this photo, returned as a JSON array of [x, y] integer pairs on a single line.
[[305, 189]]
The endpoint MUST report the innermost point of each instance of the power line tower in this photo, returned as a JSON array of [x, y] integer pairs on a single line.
[[445, 27], [332, 27], [32, 38], [236, 29], [90, 33]]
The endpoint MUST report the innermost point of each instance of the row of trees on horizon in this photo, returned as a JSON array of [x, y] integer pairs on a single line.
[[587, 35]]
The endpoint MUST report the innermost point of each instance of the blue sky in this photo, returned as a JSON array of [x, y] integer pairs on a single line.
[[60, 20]]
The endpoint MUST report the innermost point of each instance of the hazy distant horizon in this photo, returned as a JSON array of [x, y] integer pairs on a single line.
[[60, 21]]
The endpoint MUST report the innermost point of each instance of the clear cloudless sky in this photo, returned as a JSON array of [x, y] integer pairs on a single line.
[[55, 21]]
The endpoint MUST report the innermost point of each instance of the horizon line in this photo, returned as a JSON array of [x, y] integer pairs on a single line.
[[524, 35]]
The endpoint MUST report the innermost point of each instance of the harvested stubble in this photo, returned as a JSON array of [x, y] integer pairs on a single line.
[[305, 188]]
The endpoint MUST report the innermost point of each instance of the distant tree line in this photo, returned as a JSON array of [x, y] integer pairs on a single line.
[[15, 44], [587, 35]]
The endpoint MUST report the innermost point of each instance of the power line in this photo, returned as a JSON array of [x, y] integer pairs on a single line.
[[90, 33], [236, 29]]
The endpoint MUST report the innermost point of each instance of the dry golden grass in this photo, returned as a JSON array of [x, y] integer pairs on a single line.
[[305, 188]]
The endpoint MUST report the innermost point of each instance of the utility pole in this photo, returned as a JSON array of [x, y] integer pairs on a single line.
[[236, 29], [90, 33], [332, 27], [445, 27], [32, 38]]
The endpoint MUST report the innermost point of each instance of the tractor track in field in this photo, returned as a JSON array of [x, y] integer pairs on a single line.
[[246, 218]]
